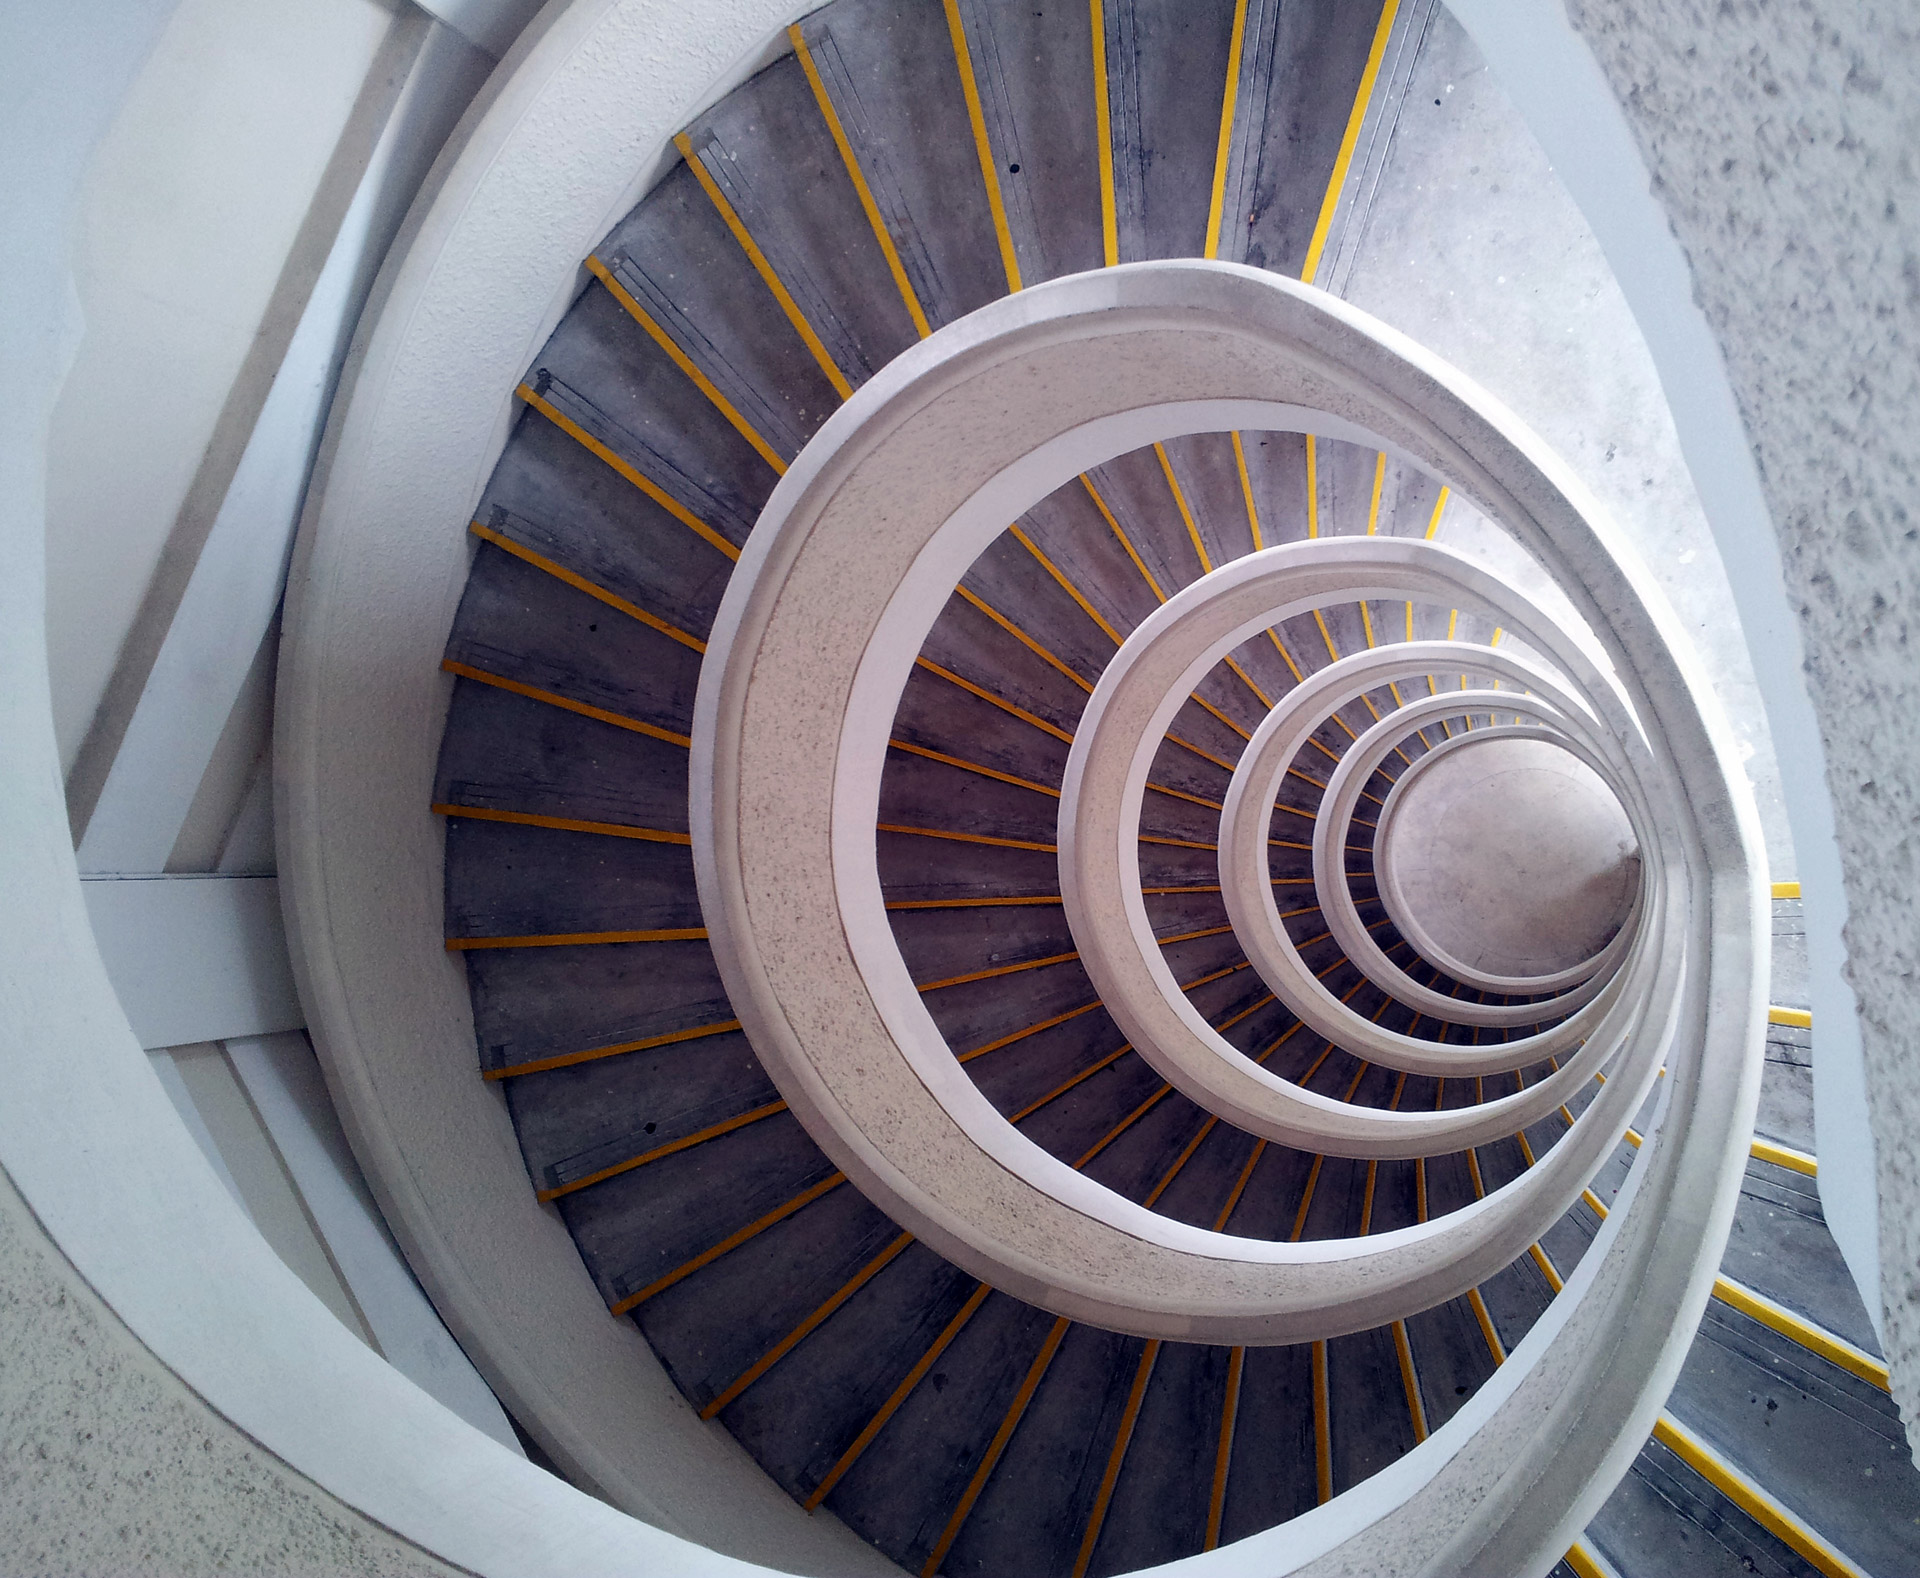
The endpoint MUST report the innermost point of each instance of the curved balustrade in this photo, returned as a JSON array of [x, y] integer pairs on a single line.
[[878, 519]]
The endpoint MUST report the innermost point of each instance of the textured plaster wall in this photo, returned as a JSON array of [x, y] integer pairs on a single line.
[[1784, 143], [91, 1425]]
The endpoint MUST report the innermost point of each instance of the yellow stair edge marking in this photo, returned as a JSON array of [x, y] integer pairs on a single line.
[[627, 469], [1361, 98], [686, 364], [578, 938], [1228, 100], [867, 203], [565, 824], [1103, 139], [1815, 1339], [763, 267], [581, 584], [565, 703], [1770, 1514], [989, 168], [1581, 1560], [1786, 1156]]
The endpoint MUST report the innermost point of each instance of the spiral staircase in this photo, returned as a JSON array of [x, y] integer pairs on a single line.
[[906, 163]]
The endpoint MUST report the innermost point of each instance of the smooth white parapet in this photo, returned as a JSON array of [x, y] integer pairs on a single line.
[[1114, 745], [856, 553], [1244, 829]]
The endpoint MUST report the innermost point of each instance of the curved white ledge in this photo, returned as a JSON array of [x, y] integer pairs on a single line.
[[854, 557], [1246, 819], [1118, 734], [492, 266], [1341, 799], [1117, 737], [1387, 879]]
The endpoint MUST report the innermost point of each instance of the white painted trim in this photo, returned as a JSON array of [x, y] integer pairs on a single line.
[[237, 581], [195, 958], [459, 327], [489, 25], [575, 125], [282, 1079]]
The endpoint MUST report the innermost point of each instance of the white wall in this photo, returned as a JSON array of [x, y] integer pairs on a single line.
[[189, 218]]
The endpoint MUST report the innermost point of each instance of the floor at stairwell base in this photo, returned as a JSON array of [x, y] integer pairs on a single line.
[[1513, 856]]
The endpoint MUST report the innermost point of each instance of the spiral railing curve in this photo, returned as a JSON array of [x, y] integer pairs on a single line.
[[854, 557]]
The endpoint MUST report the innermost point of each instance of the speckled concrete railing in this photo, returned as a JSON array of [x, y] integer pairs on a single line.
[[858, 549]]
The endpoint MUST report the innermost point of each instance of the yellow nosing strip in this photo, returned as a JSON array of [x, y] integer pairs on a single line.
[[1815, 1339], [685, 363], [581, 584], [1796, 1328], [991, 699], [1064, 584], [1786, 890], [865, 192], [1798, 1018], [567, 704], [1103, 138], [971, 767], [1751, 1499], [1246, 492], [1786, 1156], [762, 266], [592, 1054], [578, 939], [1349, 141], [966, 838], [1480, 1313], [565, 824], [1583, 1562], [627, 469], [1021, 636], [1224, 147], [989, 169], [1180, 499], [1126, 543], [1313, 493]]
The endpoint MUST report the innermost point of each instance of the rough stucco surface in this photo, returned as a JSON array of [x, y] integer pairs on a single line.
[[1784, 143], [91, 1425]]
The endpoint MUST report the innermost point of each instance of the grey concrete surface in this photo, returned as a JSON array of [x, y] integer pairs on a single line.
[[1474, 248], [1514, 857]]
